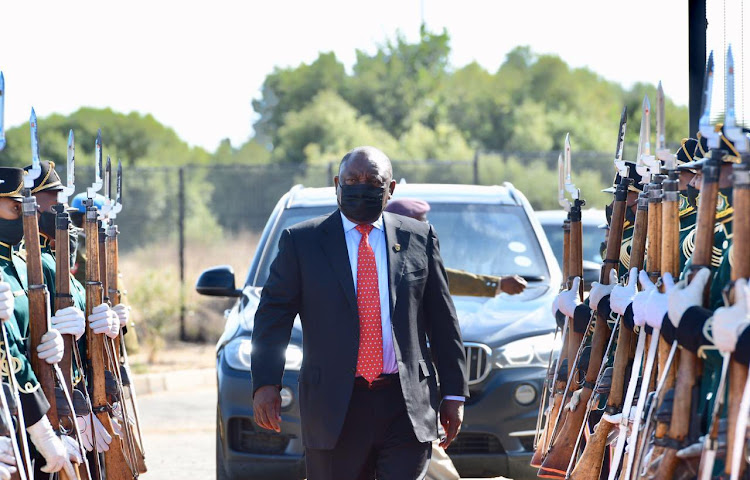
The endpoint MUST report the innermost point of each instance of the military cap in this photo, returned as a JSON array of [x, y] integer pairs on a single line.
[[633, 174], [11, 183], [408, 207], [48, 179], [733, 156], [688, 148]]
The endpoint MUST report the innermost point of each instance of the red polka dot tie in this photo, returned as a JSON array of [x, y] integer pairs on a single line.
[[370, 357]]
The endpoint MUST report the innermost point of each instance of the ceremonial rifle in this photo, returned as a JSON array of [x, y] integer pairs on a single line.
[[589, 466], [649, 167], [115, 463], [689, 364], [736, 422], [564, 445], [549, 407], [37, 291], [121, 367], [654, 261]]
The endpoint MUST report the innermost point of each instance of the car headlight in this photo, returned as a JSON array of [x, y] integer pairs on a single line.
[[237, 353], [527, 352]]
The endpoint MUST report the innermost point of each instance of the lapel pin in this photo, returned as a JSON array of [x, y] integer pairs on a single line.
[[397, 247]]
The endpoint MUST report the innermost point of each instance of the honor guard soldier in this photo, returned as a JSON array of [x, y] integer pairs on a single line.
[[14, 313]]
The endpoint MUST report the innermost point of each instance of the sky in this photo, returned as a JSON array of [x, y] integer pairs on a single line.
[[196, 66]]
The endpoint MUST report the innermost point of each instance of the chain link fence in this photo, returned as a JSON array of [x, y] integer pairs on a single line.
[[177, 221]]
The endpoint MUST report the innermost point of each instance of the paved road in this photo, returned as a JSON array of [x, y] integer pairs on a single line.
[[178, 429]]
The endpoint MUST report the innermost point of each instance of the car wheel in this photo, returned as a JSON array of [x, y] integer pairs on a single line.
[[221, 473]]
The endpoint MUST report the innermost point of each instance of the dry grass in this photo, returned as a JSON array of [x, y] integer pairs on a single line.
[[151, 275]]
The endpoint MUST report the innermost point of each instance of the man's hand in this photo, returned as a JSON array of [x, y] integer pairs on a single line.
[[451, 416], [267, 408], [511, 284]]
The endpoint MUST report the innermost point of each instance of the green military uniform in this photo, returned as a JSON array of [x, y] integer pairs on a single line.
[[472, 285], [77, 291]]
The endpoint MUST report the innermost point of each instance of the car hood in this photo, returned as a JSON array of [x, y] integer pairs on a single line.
[[491, 321]]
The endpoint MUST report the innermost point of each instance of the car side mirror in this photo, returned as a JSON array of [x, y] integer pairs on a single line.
[[217, 282]]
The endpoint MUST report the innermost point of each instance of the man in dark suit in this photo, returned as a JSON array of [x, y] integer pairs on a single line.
[[370, 290]]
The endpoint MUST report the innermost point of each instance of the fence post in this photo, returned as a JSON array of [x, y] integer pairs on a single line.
[[181, 249], [330, 174], [476, 167]]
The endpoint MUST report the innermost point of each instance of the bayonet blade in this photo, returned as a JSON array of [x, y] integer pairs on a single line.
[[621, 135], [704, 124], [661, 143], [731, 130], [569, 185], [118, 199], [108, 179], [644, 138], [36, 169], [70, 176], [2, 111], [564, 203], [117, 207], [97, 185]]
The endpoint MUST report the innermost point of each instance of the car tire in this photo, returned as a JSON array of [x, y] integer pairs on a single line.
[[221, 473]]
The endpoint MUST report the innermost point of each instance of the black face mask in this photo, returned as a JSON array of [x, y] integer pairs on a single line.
[[361, 203], [603, 249], [692, 196], [11, 231], [608, 213], [47, 224]]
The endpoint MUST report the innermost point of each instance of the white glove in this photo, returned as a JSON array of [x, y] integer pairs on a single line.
[[104, 321], [657, 303], [567, 300], [7, 301], [69, 321], [641, 298], [7, 459], [74, 451], [52, 347], [682, 297], [123, 314], [51, 448], [622, 295], [730, 322], [6, 471], [599, 291], [103, 438]]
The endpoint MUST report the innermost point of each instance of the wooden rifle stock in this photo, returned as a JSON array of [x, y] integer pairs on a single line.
[[114, 459], [556, 402], [740, 269], [689, 365], [38, 314], [115, 297], [563, 445], [63, 298], [589, 466]]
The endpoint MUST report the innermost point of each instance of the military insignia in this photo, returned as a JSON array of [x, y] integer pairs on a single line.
[[722, 203]]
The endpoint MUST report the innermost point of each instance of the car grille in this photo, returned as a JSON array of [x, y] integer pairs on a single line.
[[243, 437], [466, 443], [478, 363]]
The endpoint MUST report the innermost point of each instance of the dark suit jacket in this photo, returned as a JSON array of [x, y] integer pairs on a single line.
[[311, 276]]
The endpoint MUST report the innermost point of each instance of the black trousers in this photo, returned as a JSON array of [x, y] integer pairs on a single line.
[[376, 441]]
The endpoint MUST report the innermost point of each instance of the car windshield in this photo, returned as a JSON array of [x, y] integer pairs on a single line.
[[592, 239], [477, 238]]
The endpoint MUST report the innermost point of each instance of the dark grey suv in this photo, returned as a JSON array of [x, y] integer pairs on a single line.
[[508, 339]]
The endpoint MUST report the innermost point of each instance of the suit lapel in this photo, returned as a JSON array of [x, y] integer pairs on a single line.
[[334, 246], [396, 241]]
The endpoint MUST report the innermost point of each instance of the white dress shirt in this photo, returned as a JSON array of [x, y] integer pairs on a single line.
[[378, 244]]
